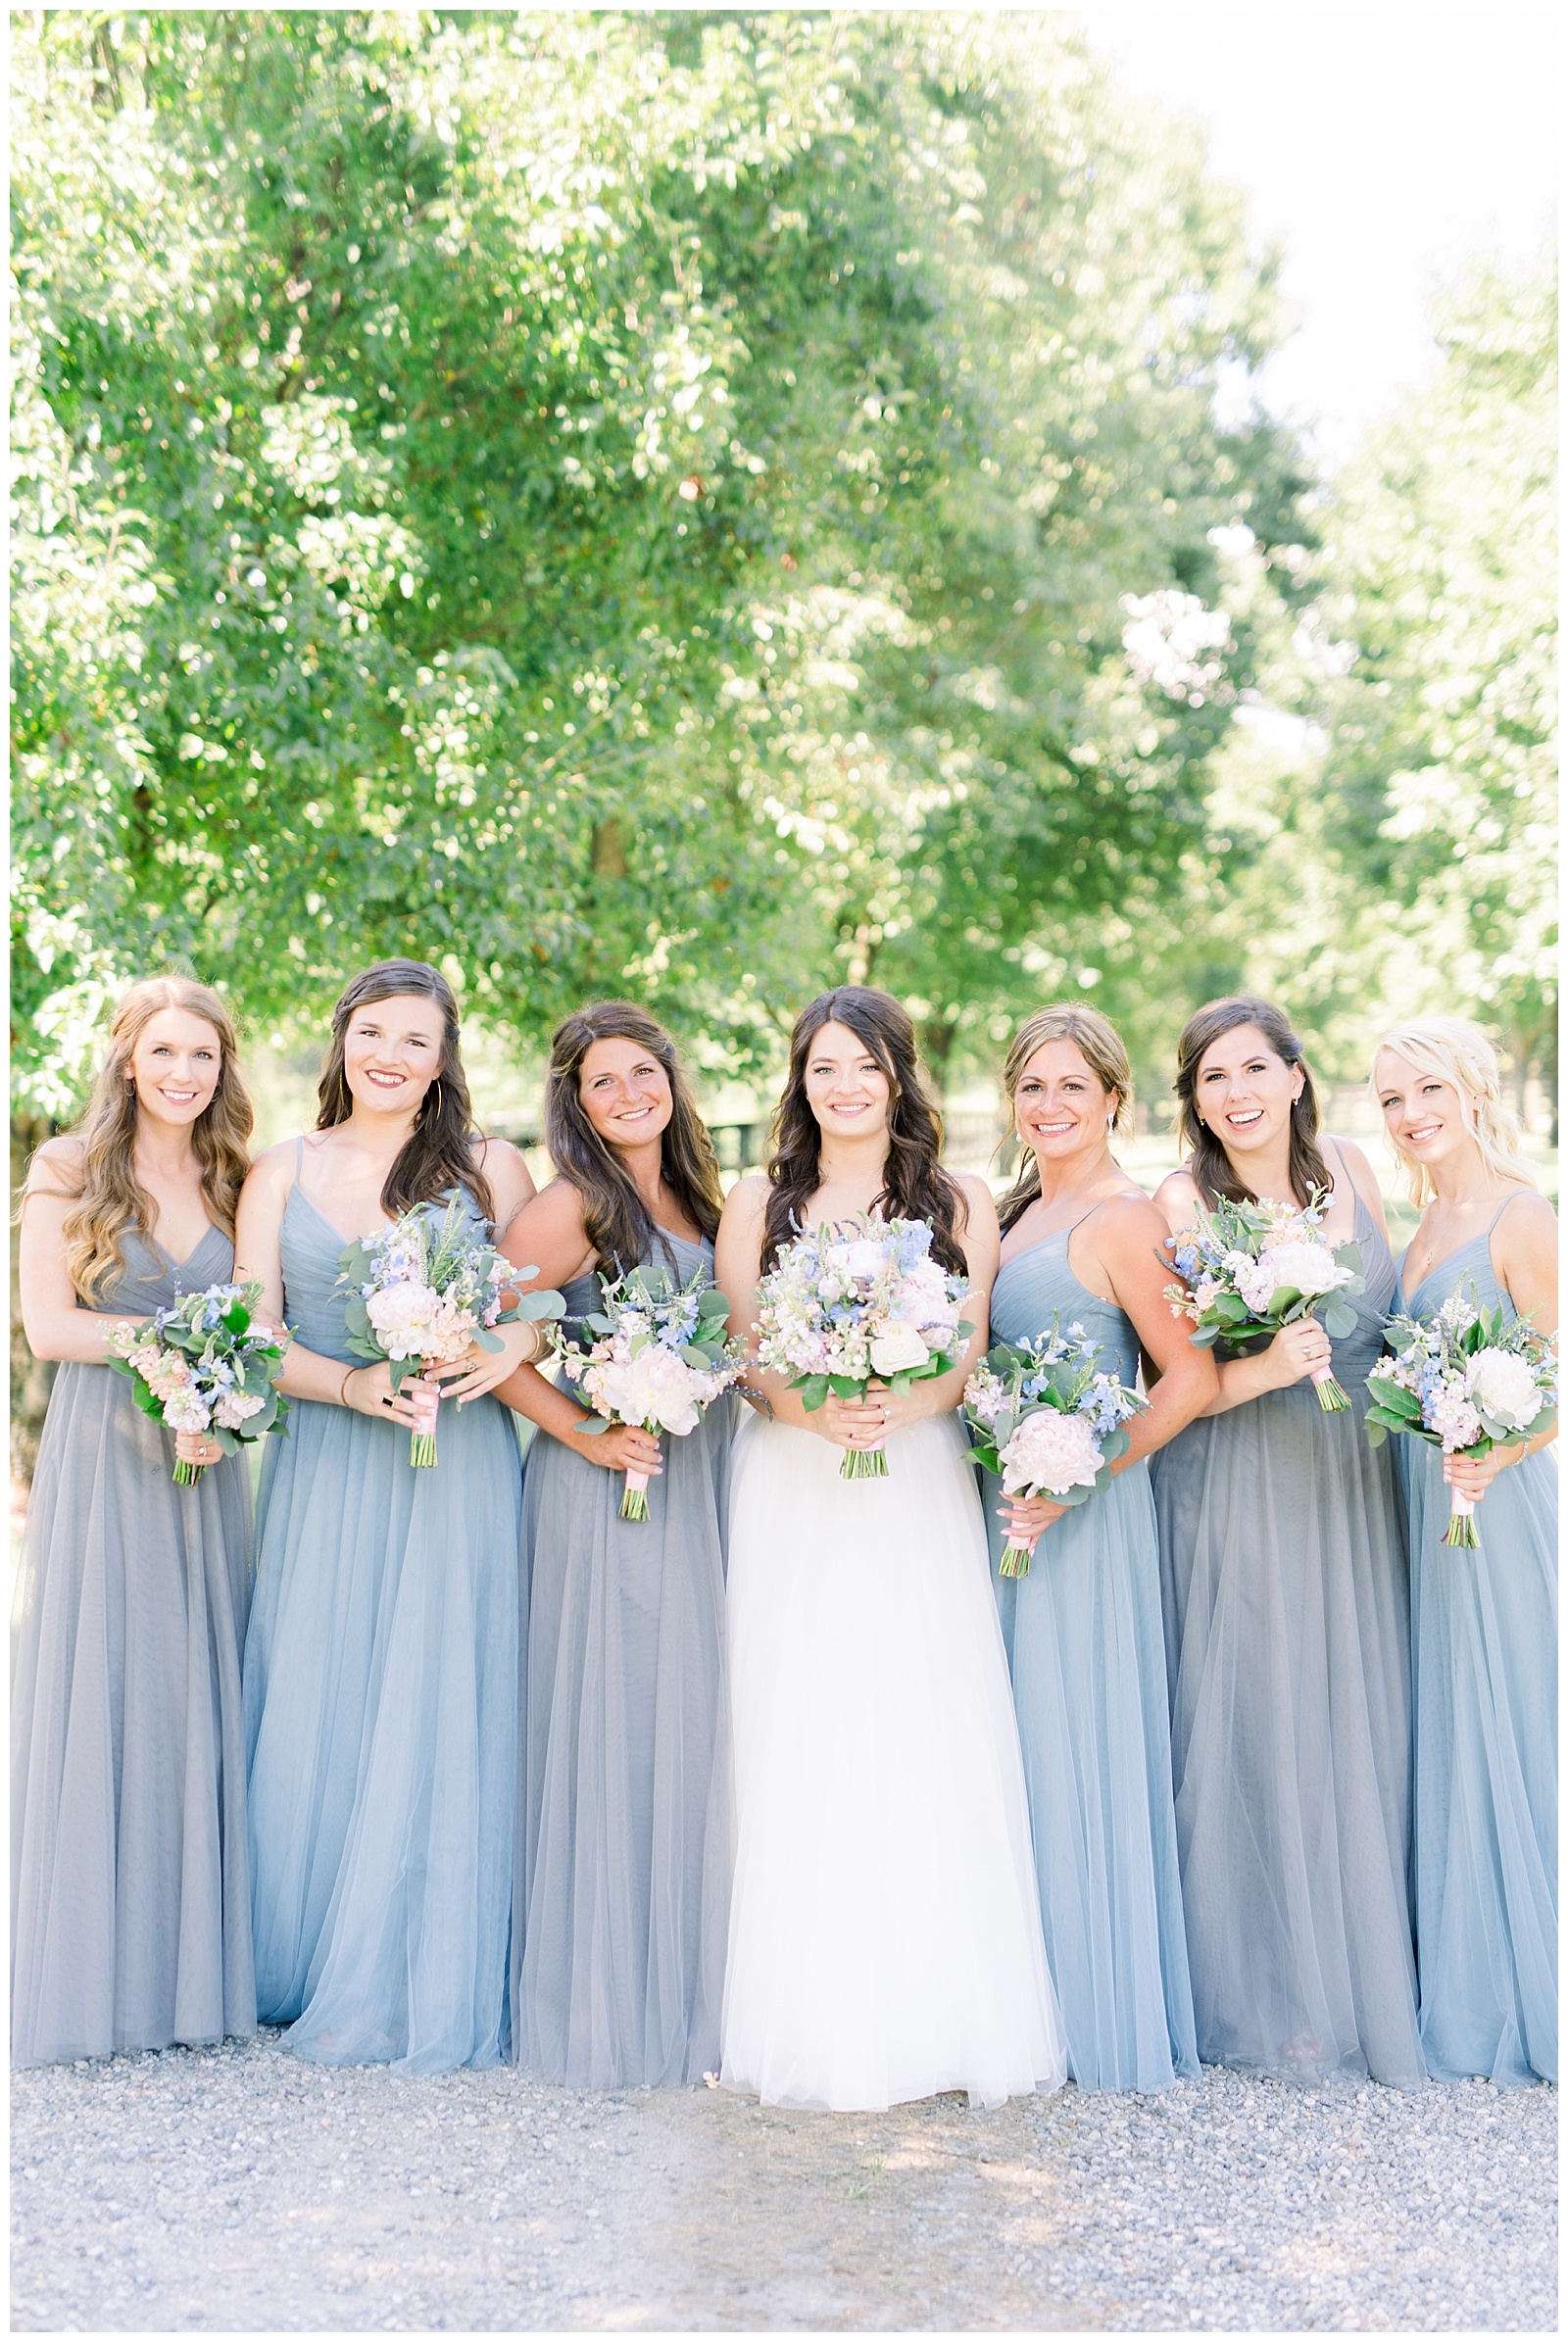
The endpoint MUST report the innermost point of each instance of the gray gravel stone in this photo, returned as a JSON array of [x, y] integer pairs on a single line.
[[240, 2190]]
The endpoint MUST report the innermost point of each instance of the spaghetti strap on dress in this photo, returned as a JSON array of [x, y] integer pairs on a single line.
[[129, 1881], [1483, 1620]]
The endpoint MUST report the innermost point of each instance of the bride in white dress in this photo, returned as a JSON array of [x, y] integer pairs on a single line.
[[884, 1938]]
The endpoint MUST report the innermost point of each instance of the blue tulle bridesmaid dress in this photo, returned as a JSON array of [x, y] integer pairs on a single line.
[[1287, 1610], [1086, 1646], [619, 1893], [1484, 1627], [130, 1886], [382, 1696]]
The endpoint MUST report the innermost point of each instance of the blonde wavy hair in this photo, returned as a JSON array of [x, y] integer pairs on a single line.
[[108, 1198], [1105, 1054], [1453, 1050]]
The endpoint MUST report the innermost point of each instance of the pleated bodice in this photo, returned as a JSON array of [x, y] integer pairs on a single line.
[[1036, 1285]]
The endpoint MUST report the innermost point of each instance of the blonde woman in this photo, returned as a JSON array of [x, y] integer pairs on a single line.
[[1484, 1619], [130, 1889], [1081, 1246]]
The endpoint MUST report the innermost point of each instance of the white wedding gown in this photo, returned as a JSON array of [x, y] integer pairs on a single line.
[[885, 1940]]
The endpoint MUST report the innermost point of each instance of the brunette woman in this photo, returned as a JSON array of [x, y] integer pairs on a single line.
[[381, 1666], [1287, 1605], [1484, 1618], [1081, 1246], [885, 1938], [618, 1939], [130, 1886]]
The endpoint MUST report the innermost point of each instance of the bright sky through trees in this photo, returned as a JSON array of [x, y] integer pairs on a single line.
[[1380, 146]]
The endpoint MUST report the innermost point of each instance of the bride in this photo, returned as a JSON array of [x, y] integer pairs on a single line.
[[884, 1938]]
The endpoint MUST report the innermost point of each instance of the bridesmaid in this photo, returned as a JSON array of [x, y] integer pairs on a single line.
[[1080, 1239], [617, 1936], [381, 1665], [130, 1885], [1484, 1618], [1287, 1614]]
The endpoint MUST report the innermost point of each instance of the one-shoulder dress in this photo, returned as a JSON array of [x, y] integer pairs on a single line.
[[620, 1913], [1483, 1620], [382, 1689], [1087, 1652], [130, 1881], [1287, 1617]]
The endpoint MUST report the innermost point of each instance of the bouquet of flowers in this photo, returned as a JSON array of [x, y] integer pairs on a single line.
[[1467, 1382], [203, 1365], [1045, 1417], [661, 1357], [1246, 1269], [422, 1291], [841, 1310]]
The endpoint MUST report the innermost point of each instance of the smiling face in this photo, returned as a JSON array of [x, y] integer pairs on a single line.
[[1424, 1115], [392, 1053], [1061, 1106], [175, 1066], [845, 1088], [625, 1091], [1245, 1091]]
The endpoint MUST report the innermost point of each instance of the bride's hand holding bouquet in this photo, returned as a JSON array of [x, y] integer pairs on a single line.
[[852, 1318]]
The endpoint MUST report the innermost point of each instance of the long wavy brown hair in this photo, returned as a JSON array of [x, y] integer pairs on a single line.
[[442, 1151], [616, 1220], [1103, 1053], [914, 1186], [108, 1198], [1210, 1166]]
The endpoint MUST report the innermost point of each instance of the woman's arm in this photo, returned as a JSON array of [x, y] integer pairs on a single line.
[[1125, 1251], [56, 1327], [1296, 1352], [258, 1255], [1524, 1256], [1364, 1180], [547, 1239]]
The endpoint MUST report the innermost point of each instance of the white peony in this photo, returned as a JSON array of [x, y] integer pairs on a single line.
[[655, 1388], [862, 1256], [1503, 1386], [1051, 1452], [1309, 1268], [897, 1346], [401, 1315]]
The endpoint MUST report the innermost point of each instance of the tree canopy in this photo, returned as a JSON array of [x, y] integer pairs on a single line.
[[699, 506]]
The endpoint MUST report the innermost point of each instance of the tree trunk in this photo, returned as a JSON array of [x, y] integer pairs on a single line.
[[30, 1377]]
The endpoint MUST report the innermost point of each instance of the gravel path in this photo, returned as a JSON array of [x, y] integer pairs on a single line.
[[242, 2190]]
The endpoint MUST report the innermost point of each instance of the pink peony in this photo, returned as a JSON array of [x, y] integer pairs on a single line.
[[1052, 1453]]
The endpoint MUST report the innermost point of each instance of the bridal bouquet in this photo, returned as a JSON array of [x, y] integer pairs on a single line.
[[1248, 1269], [424, 1291], [1467, 1382], [661, 1358], [1048, 1420], [840, 1311], [204, 1365]]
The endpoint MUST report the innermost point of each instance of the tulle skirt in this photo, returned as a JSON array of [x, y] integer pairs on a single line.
[[381, 1695], [1282, 1552], [885, 1940], [1484, 1629]]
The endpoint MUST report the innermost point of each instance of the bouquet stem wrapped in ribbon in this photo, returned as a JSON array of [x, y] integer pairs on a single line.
[[425, 1292], [660, 1359], [204, 1365], [841, 1312], [1045, 1415], [1466, 1380], [1248, 1269]]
